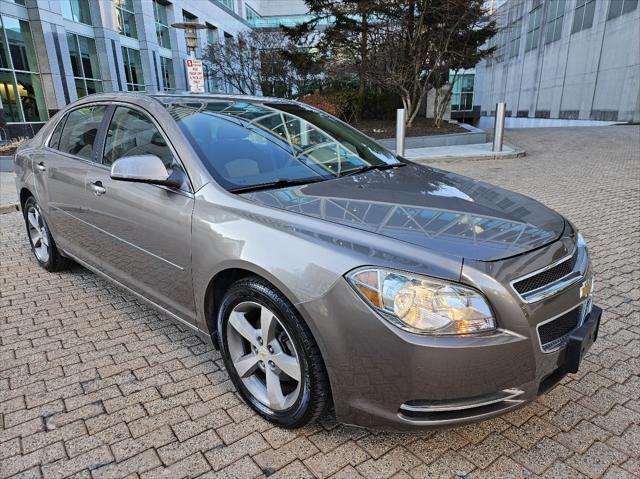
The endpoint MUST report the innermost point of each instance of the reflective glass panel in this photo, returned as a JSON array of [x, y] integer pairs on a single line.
[[9, 95], [31, 96], [20, 44]]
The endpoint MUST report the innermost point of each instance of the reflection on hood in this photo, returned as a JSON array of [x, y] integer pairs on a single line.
[[437, 210]]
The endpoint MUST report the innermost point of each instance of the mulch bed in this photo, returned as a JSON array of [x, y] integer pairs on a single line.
[[421, 127]]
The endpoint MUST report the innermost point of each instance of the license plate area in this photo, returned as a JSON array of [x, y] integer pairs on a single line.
[[580, 340]]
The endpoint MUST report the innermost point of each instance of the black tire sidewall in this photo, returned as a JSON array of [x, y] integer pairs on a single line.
[[288, 316]]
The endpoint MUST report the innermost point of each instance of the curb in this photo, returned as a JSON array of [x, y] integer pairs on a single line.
[[11, 208], [506, 156]]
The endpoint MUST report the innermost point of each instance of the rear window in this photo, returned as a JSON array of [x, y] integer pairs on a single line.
[[80, 131], [245, 144]]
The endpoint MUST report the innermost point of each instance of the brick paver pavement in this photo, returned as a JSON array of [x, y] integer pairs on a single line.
[[94, 384]]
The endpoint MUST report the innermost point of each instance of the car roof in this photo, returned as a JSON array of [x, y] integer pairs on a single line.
[[167, 98]]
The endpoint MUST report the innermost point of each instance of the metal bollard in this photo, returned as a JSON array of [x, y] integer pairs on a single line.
[[400, 131], [498, 130]]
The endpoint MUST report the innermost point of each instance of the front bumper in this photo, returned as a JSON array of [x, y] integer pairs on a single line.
[[383, 377]]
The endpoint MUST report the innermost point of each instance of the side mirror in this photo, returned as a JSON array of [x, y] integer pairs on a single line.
[[143, 169]]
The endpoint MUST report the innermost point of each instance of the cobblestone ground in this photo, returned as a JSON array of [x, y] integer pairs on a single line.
[[94, 384]]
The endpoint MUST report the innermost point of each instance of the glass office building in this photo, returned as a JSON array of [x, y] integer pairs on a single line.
[[55, 52]]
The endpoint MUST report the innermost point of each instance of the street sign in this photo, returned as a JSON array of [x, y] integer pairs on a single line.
[[196, 75]]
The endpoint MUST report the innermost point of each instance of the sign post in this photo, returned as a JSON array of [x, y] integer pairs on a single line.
[[196, 75]]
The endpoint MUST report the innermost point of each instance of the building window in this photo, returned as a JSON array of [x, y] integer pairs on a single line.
[[251, 15], [125, 18], [533, 32], [168, 78], [501, 41], [514, 42], [228, 4], [162, 24], [133, 69], [20, 85], [554, 24], [462, 92], [84, 61], [620, 7], [76, 10], [211, 80], [583, 15], [212, 34]]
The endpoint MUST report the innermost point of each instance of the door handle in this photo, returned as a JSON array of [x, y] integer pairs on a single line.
[[97, 188], [40, 166]]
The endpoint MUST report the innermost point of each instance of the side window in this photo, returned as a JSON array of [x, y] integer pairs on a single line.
[[80, 130], [132, 133], [54, 141]]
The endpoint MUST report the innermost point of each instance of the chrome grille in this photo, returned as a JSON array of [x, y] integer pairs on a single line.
[[548, 276]]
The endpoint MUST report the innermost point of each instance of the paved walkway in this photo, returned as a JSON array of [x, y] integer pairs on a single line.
[[94, 383], [8, 193], [479, 151]]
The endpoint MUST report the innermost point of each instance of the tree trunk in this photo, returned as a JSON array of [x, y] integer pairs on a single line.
[[364, 25]]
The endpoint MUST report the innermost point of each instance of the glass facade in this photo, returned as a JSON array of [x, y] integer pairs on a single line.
[[162, 24], [133, 69], [462, 96], [20, 85], [228, 4], [168, 78], [583, 15], [554, 23], [84, 61], [620, 7], [212, 34], [251, 15], [514, 42], [76, 10], [125, 18], [533, 32]]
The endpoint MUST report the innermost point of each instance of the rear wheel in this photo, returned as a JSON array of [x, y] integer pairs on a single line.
[[271, 355], [42, 244]]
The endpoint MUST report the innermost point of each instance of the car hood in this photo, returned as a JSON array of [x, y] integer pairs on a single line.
[[428, 207]]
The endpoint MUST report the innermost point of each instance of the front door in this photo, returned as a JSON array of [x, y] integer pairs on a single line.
[[144, 230]]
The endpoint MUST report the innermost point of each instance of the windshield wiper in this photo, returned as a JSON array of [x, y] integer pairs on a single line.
[[386, 166], [279, 183]]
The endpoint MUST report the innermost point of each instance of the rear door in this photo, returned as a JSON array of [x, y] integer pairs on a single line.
[[142, 231], [60, 179]]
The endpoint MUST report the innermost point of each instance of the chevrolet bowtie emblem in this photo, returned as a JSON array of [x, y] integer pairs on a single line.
[[585, 289]]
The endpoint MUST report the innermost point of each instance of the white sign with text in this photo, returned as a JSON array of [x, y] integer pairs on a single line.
[[196, 75]]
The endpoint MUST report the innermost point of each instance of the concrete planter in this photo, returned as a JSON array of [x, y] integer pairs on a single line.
[[472, 137], [6, 163]]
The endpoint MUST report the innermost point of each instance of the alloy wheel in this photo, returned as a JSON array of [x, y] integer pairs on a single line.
[[264, 356], [38, 234]]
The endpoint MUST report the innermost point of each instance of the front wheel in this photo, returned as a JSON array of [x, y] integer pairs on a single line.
[[270, 354], [42, 244]]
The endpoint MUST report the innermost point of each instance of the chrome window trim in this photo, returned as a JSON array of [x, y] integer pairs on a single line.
[[556, 286], [190, 192]]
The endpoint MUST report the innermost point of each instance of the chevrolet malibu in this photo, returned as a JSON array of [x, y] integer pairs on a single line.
[[331, 274]]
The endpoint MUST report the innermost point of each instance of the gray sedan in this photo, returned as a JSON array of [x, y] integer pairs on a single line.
[[331, 274]]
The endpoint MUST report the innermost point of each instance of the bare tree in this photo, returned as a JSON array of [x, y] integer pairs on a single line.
[[422, 40], [259, 62]]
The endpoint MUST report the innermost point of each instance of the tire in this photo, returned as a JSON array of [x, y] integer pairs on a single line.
[[42, 244], [303, 400]]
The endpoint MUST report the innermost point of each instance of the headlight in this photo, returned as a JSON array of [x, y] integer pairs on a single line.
[[422, 304]]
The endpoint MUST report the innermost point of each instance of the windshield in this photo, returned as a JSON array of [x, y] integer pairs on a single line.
[[245, 144]]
